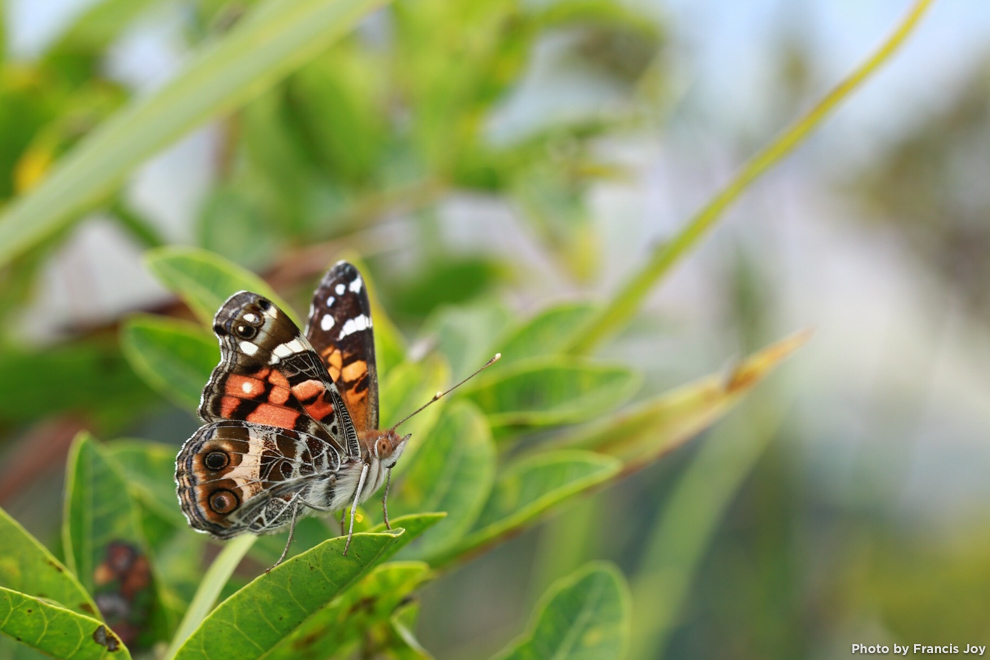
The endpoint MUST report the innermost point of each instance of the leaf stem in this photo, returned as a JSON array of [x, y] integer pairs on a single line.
[[209, 589], [630, 297]]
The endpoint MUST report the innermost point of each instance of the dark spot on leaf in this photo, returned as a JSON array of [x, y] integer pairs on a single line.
[[365, 604], [105, 637], [29, 611], [86, 607], [56, 566]]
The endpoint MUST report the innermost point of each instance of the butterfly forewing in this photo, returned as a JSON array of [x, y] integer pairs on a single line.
[[339, 329], [270, 375]]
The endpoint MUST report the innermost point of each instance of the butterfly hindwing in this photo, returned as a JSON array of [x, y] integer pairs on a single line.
[[270, 375], [235, 476], [339, 329]]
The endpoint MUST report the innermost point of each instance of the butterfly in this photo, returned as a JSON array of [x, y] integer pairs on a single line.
[[290, 418]]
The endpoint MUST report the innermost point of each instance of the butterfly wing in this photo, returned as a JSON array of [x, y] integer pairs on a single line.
[[270, 375], [235, 476], [339, 329]]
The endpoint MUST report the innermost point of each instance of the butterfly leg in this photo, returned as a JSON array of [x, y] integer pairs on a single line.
[[357, 498], [388, 479], [292, 533], [343, 512]]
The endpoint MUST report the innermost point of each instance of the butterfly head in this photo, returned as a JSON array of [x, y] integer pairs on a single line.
[[389, 446]]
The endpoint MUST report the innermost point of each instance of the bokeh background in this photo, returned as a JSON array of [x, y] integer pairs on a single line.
[[478, 159]]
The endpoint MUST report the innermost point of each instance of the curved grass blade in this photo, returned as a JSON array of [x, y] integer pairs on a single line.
[[584, 616], [27, 566], [56, 631], [552, 391], [453, 471], [204, 280], [528, 489], [624, 304], [658, 426], [209, 589], [174, 357], [274, 39]]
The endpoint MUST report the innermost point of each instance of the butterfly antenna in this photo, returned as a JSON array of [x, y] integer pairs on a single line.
[[440, 395]]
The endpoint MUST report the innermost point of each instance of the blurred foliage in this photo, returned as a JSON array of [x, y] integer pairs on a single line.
[[330, 118]]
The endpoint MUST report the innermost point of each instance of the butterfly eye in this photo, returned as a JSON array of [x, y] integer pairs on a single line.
[[384, 448], [245, 331], [216, 460], [223, 501]]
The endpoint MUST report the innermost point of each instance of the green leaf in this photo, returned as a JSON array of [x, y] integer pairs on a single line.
[[552, 391], [274, 39], [465, 334], [104, 545], [405, 388], [655, 427], [583, 617], [260, 616], [342, 624], [56, 631], [547, 333], [150, 470], [173, 357], [28, 567], [205, 280], [528, 489], [453, 471], [83, 376]]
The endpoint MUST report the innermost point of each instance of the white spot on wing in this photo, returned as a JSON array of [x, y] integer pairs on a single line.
[[353, 325], [247, 387], [248, 348], [288, 348], [250, 318], [356, 285], [326, 322], [330, 301], [340, 288]]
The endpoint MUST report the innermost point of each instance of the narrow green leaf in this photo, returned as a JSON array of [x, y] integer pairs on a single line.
[[205, 280], [583, 617], [528, 489], [260, 616], [453, 471], [209, 590], [173, 357], [56, 631], [651, 429], [552, 391], [339, 626], [105, 547], [401, 640], [275, 38], [28, 567]]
